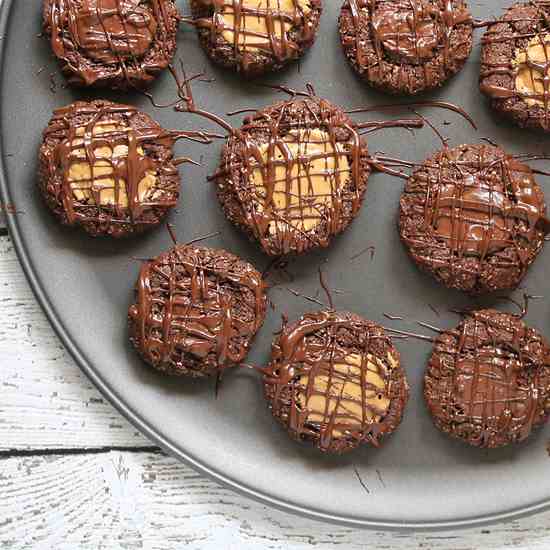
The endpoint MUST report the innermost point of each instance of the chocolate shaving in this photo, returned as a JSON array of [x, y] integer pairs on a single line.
[[409, 334], [371, 249], [308, 298], [431, 327], [361, 482], [393, 317], [325, 287]]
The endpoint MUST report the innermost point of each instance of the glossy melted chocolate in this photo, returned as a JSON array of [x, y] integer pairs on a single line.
[[477, 214]]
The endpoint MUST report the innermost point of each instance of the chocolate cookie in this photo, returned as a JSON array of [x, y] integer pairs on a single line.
[[256, 36], [406, 46], [197, 311], [116, 43], [335, 380], [488, 380], [474, 217], [107, 168], [515, 64], [294, 175]]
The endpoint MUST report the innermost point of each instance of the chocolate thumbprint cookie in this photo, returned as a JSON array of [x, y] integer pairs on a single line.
[[515, 65], [107, 168], [113, 43], [488, 380], [406, 46], [294, 175], [197, 311], [335, 381], [256, 36], [474, 217]]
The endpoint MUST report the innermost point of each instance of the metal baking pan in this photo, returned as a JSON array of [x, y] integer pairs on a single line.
[[419, 478]]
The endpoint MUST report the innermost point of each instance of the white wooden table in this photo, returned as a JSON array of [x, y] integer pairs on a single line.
[[74, 474]]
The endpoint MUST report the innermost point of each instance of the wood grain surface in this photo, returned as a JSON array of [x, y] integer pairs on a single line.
[[74, 474]]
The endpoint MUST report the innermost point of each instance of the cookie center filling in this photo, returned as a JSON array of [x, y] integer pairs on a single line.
[[408, 31], [102, 163], [203, 317], [532, 65], [345, 395], [486, 386], [470, 217], [297, 178], [113, 30], [483, 212], [253, 25]]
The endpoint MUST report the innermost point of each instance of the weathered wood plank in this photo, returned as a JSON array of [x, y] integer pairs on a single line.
[[45, 401], [127, 500]]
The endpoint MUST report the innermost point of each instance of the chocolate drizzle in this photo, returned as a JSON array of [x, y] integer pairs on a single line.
[[428, 103], [294, 175], [488, 380], [254, 35], [266, 179], [474, 217], [406, 46], [507, 55], [335, 380], [197, 310], [120, 43], [109, 168]]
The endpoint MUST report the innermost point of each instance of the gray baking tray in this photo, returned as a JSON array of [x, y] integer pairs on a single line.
[[419, 478]]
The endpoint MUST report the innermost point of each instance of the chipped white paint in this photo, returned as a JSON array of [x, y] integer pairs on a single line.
[[45, 402], [104, 499], [122, 500]]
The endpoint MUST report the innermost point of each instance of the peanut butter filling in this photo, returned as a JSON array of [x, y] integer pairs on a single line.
[[256, 22], [532, 66], [91, 174], [341, 396], [301, 176]]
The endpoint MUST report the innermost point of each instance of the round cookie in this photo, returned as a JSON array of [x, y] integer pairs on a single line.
[[515, 65], [406, 46], [256, 36], [294, 175], [114, 43], [197, 311], [473, 217], [488, 380], [335, 380], [107, 168]]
